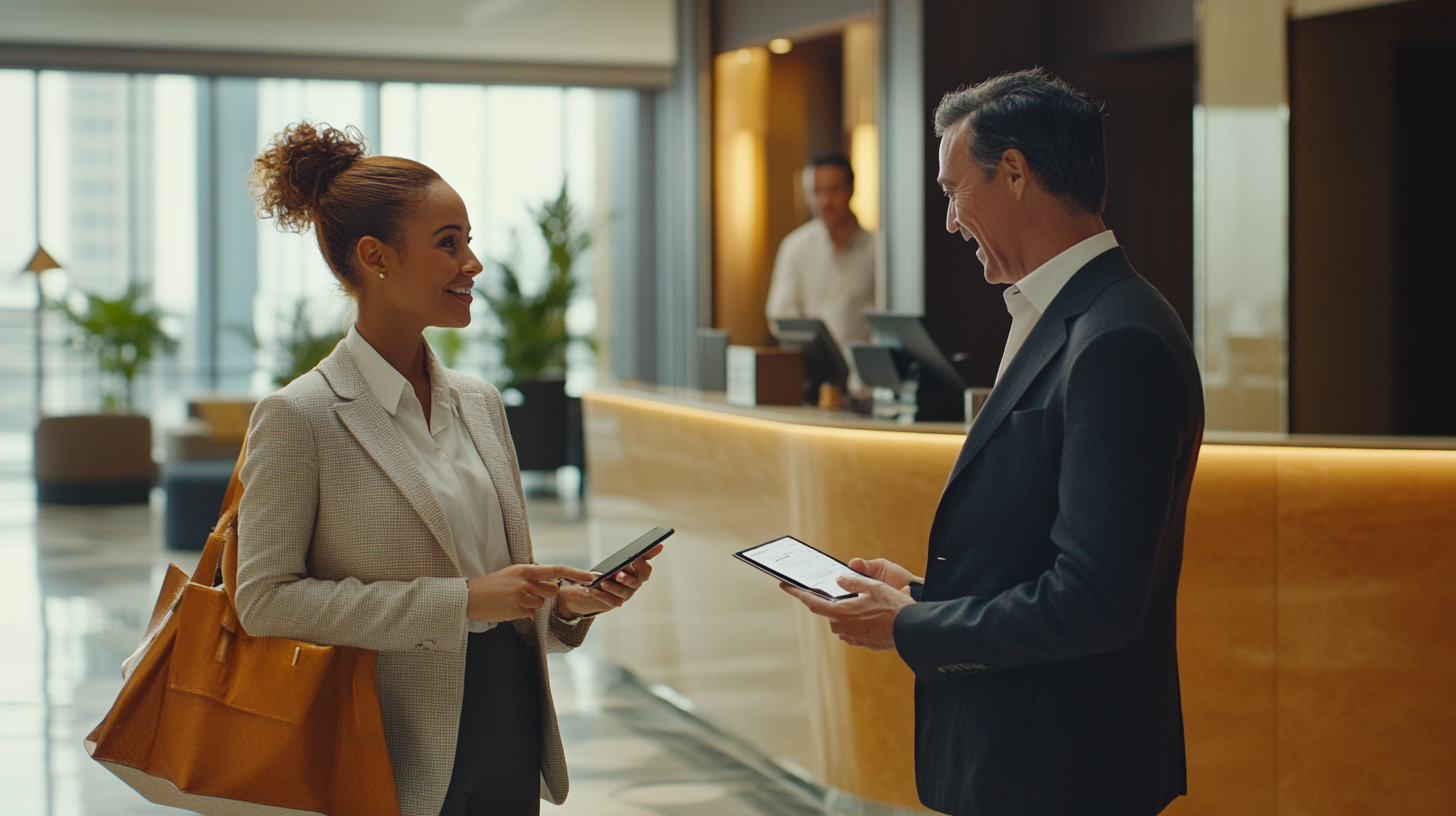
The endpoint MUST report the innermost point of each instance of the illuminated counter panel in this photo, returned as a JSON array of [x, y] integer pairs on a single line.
[[1317, 619]]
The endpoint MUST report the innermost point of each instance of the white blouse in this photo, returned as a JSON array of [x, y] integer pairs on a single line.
[[445, 455]]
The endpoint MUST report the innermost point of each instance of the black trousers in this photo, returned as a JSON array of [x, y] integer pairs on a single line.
[[498, 753]]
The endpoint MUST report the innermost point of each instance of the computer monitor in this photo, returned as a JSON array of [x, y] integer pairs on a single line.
[[879, 366], [823, 362], [942, 389]]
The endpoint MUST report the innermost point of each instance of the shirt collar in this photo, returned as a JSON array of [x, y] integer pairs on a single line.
[[1045, 282], [860, 233], [388, 385]]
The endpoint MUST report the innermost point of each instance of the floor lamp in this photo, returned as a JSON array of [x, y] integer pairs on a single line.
[[39, 264]]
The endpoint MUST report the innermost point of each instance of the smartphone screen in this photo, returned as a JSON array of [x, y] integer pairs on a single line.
[[621, 558]]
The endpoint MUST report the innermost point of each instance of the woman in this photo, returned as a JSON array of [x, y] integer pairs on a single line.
[[382, 503]]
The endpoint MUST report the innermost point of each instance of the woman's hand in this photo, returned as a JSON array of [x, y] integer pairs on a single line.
[[516, 592], [576, 601]]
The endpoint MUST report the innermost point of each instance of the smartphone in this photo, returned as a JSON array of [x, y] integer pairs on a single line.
[[797, 564], [621, 558]]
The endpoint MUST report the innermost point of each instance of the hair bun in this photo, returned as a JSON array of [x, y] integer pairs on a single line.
[[291, 175]]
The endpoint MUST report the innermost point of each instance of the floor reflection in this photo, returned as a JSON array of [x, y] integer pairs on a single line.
[[77, 586]]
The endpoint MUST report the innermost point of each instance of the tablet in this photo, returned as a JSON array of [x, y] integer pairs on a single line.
[[797, 564]]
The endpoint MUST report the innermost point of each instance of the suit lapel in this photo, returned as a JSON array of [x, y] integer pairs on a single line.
[[1046, 338], [374, 429], [1040, 346], [498, 463]]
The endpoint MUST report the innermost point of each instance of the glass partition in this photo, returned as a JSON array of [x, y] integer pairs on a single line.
[[1241, 214]]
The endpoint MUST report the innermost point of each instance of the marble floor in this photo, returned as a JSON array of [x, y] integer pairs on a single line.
[[76, 585]]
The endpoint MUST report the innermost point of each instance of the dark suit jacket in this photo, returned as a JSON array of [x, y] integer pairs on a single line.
[[1044, 648]]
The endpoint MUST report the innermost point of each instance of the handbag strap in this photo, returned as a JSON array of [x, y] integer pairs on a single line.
[[228, 570], [217, 556]]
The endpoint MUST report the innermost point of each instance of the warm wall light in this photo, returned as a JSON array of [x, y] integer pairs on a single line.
[[864, 156], [779, 45], [860, 92], [740, 193]]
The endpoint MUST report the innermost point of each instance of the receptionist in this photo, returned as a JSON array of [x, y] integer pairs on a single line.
[[826, 268]]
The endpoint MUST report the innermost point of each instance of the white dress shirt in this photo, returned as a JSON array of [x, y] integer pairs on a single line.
[[814, 278], [446, 456], [1028, 299]]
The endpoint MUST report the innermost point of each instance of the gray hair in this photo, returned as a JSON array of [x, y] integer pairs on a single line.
[[1056, 127]]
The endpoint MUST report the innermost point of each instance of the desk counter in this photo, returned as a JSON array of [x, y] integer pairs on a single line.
[[1316, 612]]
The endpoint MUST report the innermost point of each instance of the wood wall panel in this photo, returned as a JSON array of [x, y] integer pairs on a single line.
[[1226, 633], [1367, 612]]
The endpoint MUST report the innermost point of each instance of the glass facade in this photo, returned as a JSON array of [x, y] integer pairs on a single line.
[[128, 178]]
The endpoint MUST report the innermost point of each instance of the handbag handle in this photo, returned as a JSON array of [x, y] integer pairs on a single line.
[[218, 558]]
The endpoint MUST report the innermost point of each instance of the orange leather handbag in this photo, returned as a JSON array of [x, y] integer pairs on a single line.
[[216, 721]]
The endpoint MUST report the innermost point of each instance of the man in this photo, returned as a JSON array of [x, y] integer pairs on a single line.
[[826, 268], [1043, 636]]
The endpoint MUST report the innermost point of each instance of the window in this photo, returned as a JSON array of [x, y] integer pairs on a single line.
[[141, 180]]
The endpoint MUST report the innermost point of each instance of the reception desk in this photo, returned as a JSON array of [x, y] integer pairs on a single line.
[[1317, 608]]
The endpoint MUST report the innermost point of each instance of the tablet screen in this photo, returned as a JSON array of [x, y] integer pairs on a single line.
[[807, 566]]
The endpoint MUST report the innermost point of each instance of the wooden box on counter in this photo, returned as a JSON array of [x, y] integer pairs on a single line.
[[763, 375]]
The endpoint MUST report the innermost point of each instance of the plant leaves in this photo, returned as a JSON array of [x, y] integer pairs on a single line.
[[533, 337], [124, 336], [303, 348]]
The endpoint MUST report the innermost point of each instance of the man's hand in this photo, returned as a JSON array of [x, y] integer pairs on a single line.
[[868, 620], [887, 572], [576, 601]]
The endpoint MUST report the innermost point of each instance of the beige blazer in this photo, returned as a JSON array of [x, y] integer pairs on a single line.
[[342, 542]]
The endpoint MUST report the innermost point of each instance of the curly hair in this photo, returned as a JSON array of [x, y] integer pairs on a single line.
[[320, 177]]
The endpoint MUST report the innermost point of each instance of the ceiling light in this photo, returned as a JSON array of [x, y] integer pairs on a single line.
[[779, 45]]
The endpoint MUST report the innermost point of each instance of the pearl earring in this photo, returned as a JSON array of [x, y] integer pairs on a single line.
[[381, 276]]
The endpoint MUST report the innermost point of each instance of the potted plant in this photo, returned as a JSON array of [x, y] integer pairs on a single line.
[[124, 336], [448, 343], [296, 352], [533, 337], [303, 347], [104, 458]]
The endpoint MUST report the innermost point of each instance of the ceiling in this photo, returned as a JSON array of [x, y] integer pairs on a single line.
[[569, 32]]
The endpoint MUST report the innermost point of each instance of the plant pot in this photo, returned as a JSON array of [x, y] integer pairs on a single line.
[[539, 424], [94, 459]]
